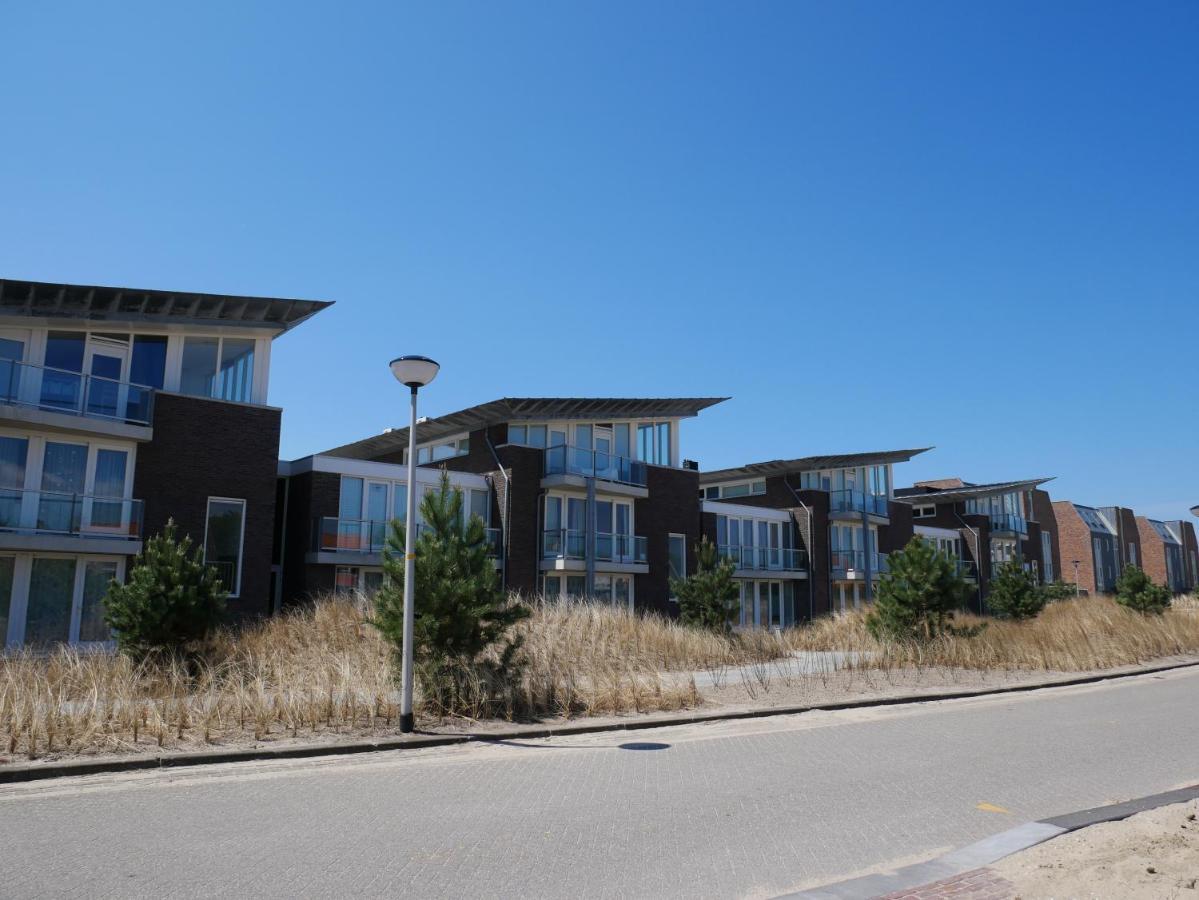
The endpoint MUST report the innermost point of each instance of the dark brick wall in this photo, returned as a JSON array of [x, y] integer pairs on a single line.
[[1129, 534], [673, 506], [811, 528], [1154, 549], [899, 531], [1190, 551], [523, 513], [209, 448], [1042, 511], [311, 495]]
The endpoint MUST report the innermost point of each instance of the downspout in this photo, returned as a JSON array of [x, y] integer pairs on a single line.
[[278, 598], [978, 571], [507, 513], [811, 538]]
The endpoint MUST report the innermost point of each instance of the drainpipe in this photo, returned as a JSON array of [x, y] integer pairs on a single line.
[[507, 512], [978, 569], [811, 586], [278, 598]]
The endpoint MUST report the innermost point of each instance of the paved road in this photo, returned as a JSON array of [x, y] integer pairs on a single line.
[[728, 809]]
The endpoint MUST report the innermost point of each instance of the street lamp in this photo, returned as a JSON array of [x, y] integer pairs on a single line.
[[415, 372]]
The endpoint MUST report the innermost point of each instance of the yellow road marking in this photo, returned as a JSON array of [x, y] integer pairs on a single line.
[[991, 807]]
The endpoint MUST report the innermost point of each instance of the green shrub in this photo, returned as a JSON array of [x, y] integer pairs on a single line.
[[171, 602], [1059, 590], [917, 597], [1135, 591], [1015, 593], [461, 641], [709, 598]]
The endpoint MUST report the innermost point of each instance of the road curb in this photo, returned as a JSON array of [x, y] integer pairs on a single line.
[[24, 772], [988, 850]]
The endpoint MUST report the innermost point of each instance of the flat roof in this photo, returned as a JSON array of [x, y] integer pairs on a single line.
[[810, 464], [531, 409], [93, 303], [924, 493]]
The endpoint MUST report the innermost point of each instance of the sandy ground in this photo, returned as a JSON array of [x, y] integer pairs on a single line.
[[1154, 854]]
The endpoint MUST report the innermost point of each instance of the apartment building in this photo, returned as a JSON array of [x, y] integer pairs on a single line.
[[839, 522], [583, 496], [1165, 558], [982, 526], [1095, 545], [122, 408]]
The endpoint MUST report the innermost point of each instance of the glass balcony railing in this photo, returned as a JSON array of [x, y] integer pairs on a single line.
[[42, 387], [767, 559], [965, 568], [51, 512], [565, 543], [335, 535], [849, 500], [565, 460], [852, 563], [1009, 522]]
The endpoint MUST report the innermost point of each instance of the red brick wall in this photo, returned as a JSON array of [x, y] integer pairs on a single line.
[[1154, 550], [1074, 541]]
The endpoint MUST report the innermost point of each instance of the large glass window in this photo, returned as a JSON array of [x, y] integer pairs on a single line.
[[13, 454], [677, 553], [237, 369], [480, 505], [223, 540], [350, 503], [198, 375], [149, 362], [61, 383], [12, 352], [64, 470], [51, 593], [97, 575]]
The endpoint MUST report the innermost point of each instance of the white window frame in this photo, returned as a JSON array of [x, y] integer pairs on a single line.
[[924, 511], [18, 607], [241, 544]]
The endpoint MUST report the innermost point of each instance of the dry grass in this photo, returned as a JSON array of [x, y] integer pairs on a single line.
[[323, 671]]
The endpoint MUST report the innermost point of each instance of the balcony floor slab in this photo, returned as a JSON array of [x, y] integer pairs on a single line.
[[67, 423], [579, 483], [68, 543]]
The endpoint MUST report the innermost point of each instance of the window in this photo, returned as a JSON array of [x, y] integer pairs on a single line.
[[479, 505], [653, 443], [7, 568], [223, 540], [923, 512], [96, 577], [1047, 555], [1132, 553], [222, 368], [149, 363], [345, 579], [51, 592], [677, 555]]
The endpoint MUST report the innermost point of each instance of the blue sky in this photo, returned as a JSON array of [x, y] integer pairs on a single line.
[[873, 225]]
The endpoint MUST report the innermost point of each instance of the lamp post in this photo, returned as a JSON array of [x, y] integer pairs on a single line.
[[415, 372]]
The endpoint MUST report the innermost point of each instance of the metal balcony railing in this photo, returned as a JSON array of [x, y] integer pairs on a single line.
[[59, 390], [566, 543], [767, 559], [965, 568], [566, 460], [336, 535], [850, 500], [845, 562], [52, 512]]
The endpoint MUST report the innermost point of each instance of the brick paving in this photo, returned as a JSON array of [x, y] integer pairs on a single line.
[[757, 808], [979, 884]]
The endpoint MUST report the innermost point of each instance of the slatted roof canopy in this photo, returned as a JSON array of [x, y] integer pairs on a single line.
[[530, 409], [41, 299], [810, 464], [924, 495]]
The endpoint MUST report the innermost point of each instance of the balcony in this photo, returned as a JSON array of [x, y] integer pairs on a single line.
[[565, 460], [854, 501], [369, 536], [850, 565], [75, 394], [966, 569], [564, 543], [765, 559], [54, 514], [1008, 523]]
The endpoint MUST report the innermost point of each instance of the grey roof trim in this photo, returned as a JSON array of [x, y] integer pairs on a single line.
[[918, 496], [809, 464], [532, 409], [117, 304]]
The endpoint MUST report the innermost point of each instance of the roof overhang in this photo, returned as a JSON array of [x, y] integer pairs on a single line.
[[531, 409], [970, 492], [809, 464], [74, 302]]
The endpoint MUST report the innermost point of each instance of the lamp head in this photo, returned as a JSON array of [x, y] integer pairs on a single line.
[[414, 371]]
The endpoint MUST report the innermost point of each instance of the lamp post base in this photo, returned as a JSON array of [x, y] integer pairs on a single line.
[[407, 723]]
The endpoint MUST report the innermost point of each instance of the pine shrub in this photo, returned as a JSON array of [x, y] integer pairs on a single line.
[[462, 640], [916, 599], [709, 598], [1015, 593], [1136, 591], [171, 602]]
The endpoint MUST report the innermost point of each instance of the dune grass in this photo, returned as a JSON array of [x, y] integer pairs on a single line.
[[322, 670]]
